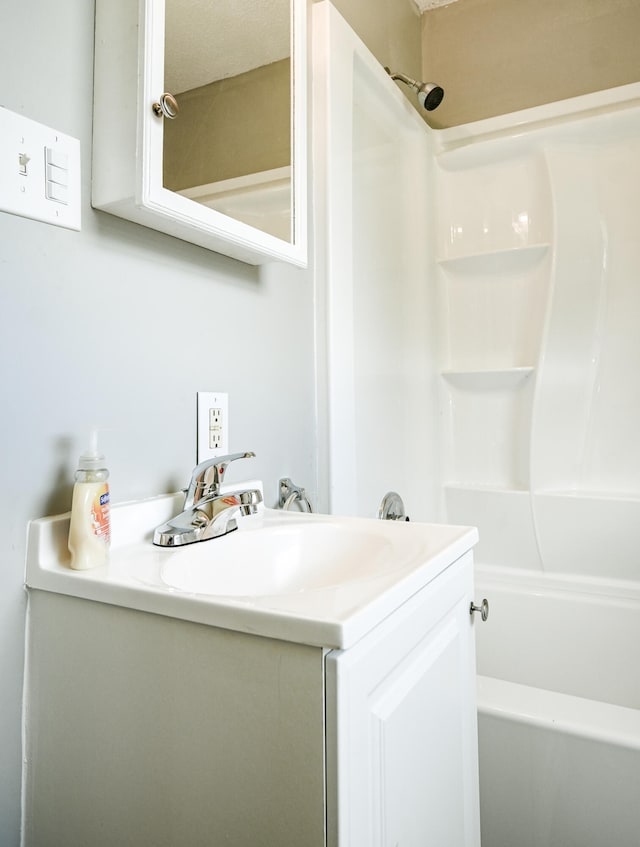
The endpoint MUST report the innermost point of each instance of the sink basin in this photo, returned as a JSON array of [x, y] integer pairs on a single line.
[[278, 560], [322, 580]]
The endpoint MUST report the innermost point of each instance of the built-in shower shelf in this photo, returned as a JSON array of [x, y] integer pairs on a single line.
[[590, 494], [480, 489], [489, 380], [503, 261]]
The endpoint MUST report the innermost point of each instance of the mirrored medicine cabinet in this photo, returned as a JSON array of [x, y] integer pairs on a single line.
[[200, 122]]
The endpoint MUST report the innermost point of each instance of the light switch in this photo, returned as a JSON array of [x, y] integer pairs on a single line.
[[39, 171], [59, 193], [23, 161], [57, 175], [57, 158]]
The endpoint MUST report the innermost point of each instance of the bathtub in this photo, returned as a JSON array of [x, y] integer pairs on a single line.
[[558, 711]]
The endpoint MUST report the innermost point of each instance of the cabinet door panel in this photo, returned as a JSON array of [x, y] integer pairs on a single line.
[[403, 706]]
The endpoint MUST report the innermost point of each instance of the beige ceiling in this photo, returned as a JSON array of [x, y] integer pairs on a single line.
[[425, 5], [212, 39]]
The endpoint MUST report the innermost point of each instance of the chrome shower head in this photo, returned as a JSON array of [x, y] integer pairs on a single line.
[[429, 94]]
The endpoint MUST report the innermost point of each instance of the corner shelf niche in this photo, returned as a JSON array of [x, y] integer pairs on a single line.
[[493, 271], [494, 308], [502, 261], [494, 303], [488, 380], [489, 414]]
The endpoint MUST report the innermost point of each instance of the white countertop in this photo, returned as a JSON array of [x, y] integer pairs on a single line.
[[410, 555]]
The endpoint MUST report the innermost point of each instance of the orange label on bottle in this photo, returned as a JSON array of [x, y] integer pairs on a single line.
[[100, 515]]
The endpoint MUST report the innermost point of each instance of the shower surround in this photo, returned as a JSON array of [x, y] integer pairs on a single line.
[[478, 295], [538, 279]]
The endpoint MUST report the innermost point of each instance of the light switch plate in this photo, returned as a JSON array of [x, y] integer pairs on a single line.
[[39, 172]]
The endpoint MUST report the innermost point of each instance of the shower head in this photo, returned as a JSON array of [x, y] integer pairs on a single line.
[[429, 94]]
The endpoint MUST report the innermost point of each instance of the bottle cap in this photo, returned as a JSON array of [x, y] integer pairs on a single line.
[[91, 459]]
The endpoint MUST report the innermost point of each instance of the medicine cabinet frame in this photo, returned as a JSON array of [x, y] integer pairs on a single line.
[[128, 137]]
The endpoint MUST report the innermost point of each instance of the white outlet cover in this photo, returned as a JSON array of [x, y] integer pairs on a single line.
[[208, 400]]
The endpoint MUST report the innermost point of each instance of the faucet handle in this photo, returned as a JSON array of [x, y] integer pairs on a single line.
[[209, 475], [218, 466]]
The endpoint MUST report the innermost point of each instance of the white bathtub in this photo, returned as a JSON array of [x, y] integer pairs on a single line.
[[558, 711]]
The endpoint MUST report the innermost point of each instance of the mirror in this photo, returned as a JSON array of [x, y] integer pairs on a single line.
[[228, 65], [229, 170]]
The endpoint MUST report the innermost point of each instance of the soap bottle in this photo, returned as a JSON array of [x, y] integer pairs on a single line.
[[90, 527]]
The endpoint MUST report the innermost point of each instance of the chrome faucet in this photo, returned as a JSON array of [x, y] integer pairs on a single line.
[[208, 513]]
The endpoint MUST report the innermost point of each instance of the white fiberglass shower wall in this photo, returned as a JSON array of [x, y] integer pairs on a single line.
[[378, 383], [479, 299], [478, 296], [539, 276]]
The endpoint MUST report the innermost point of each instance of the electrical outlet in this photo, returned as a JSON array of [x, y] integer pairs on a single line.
[[213, 425]]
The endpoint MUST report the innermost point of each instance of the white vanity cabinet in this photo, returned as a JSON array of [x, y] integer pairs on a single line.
[[401, 726], [145, 729]]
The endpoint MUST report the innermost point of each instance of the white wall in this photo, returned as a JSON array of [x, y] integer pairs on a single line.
[[121, 326]]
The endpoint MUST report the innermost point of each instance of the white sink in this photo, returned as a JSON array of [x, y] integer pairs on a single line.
[[280, 559], [314, 579]]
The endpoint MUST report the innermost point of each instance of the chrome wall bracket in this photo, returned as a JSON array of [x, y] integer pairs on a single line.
[[483, 608], [290, 494], [392, 508]]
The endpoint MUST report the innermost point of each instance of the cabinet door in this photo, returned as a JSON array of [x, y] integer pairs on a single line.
[[256, 217], [402, 768]]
